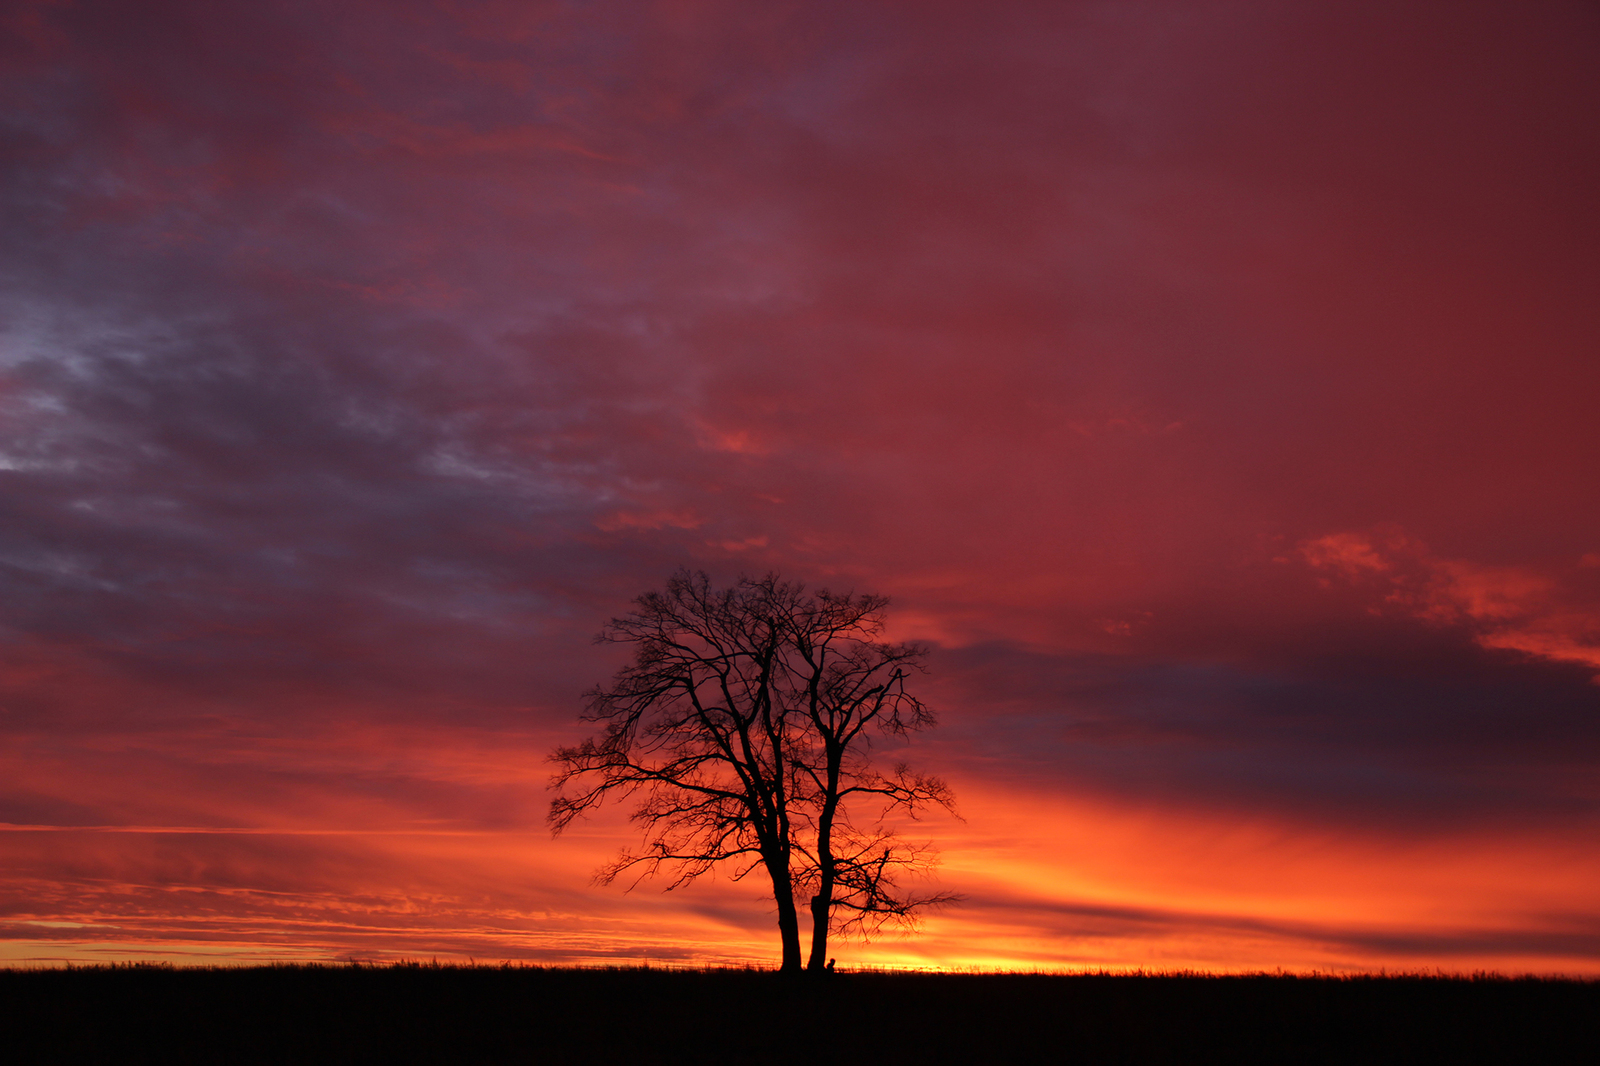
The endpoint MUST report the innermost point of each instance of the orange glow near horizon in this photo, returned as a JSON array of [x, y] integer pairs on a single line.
[[1213, 395], [1053, 884]]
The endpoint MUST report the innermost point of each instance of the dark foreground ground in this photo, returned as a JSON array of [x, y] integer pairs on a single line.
[[409, 1013]]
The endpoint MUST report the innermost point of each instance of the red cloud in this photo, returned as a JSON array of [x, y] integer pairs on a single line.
[[1511, 607]]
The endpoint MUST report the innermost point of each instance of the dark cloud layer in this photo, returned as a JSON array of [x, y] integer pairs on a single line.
[[1212, 384]]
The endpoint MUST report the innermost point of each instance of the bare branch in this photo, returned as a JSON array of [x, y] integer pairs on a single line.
[[742, 728]]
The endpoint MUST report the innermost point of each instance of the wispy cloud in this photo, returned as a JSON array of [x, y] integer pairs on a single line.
[[1516, 608]]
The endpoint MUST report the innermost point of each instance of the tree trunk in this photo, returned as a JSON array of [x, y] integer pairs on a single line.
[[822, 902], [789, 932], [821, 905], [788, 915]]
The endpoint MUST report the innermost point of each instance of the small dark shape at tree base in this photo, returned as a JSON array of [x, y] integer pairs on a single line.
[[421, 1013]]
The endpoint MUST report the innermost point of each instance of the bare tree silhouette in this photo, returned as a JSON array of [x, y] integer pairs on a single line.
[[745, 725]]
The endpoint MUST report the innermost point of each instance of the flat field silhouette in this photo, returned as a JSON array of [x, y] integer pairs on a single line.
[[439, 1013]]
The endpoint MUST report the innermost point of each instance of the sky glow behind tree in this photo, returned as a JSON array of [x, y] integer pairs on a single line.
[[1212, 384]]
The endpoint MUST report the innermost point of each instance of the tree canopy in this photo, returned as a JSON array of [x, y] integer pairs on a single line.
[[745, 726]]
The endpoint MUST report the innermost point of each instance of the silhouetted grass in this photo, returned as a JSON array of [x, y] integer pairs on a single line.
[[447, 1014]]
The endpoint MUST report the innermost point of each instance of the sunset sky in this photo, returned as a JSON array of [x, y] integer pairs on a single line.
[[1212, 383]]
